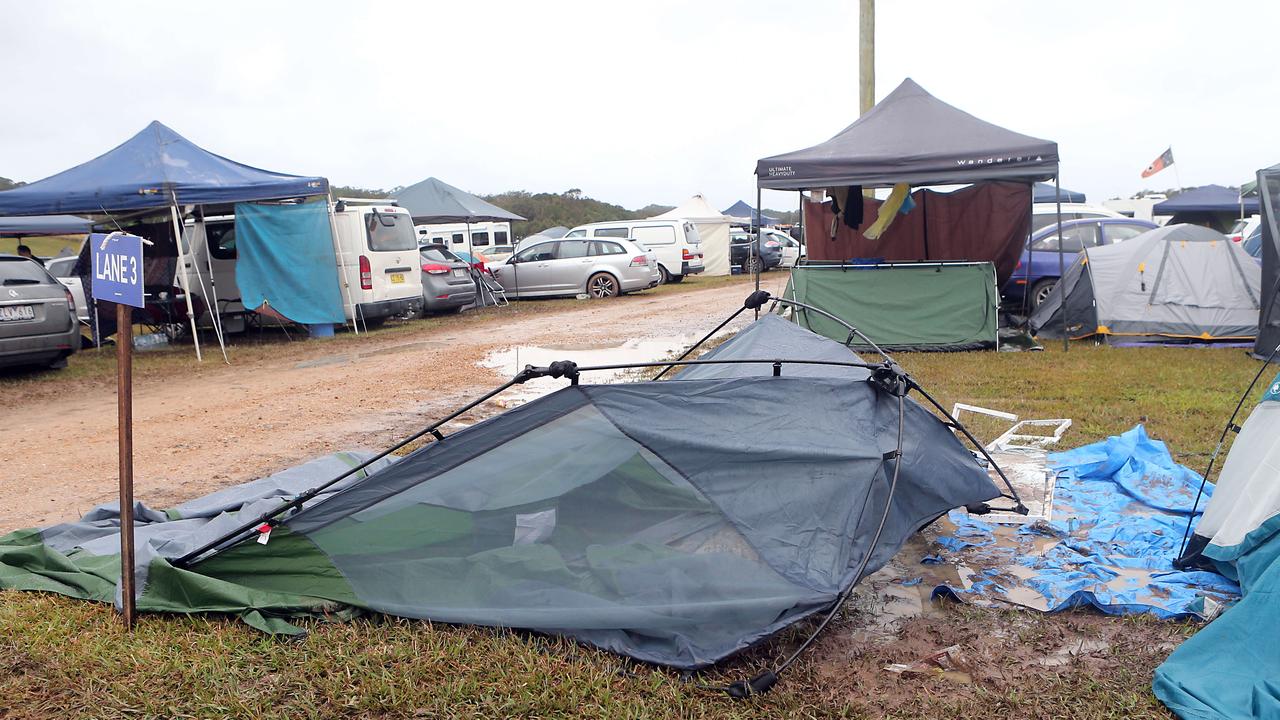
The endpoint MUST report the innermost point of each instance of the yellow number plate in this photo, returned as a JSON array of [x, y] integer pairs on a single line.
[[397, 277]]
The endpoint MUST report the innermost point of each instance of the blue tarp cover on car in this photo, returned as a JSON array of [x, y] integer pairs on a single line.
[[285, 259], [149, 170]]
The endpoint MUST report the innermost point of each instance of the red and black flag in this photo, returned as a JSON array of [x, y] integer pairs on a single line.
[[1160, 163]]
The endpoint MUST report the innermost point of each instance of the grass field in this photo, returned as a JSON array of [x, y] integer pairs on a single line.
[[51, 246], [62, 658]]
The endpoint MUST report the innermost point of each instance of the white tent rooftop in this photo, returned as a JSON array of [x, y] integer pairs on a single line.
[[713, 229]]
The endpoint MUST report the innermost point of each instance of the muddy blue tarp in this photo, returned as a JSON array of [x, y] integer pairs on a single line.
[[1120, 507], [149, 170], [285, 259]]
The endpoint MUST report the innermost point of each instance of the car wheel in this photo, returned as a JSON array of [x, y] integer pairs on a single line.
[[1040, 291], [602, 285], [752, 266], [664, 277]]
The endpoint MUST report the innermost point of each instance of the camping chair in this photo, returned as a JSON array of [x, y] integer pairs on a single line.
[[488, 290]]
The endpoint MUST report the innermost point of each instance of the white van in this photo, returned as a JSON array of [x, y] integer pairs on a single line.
[[675, 242], [377, 261]]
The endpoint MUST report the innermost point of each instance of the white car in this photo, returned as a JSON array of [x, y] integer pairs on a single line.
[[1045, 214], [1244, 227], [61, 268], [600, 268]]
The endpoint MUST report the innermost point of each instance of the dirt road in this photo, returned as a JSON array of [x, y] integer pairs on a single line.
[[194, 434]]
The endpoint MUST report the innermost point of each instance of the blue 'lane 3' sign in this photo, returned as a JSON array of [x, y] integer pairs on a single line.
[[117, 268]]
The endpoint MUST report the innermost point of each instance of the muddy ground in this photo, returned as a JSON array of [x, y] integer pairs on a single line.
[[231, 424]]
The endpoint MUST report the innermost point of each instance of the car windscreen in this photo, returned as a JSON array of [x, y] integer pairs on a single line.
[[61, 267], [389, 232], [438, 254], [21, 271]]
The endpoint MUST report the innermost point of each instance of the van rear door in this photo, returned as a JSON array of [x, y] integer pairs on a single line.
[[391, 245]]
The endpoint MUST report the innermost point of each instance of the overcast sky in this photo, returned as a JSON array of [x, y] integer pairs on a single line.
[[634, 102]]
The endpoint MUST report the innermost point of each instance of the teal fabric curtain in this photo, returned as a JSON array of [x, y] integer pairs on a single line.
[[285, 259]]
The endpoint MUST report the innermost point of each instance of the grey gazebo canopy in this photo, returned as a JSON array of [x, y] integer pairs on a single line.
[[912, 137], [435, 201]]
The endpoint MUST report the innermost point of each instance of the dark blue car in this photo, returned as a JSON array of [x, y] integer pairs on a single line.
[[1037, 270]]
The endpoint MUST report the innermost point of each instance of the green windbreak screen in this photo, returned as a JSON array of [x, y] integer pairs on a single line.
[[904, 307]]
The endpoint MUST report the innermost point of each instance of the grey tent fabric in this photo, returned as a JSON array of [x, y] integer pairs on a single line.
[[773, 337], [1178, 282], [36, 225], [435, 201], [1269, 319], [912, 137]]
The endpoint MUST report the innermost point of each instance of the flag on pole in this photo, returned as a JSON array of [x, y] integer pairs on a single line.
[[1160, 163]]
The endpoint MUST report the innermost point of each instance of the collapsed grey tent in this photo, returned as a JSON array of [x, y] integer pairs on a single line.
[[435, 201], [1177, 282], [1268, 186], [675, 522]]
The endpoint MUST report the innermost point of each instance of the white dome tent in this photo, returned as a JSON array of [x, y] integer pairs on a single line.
[[713, 229]]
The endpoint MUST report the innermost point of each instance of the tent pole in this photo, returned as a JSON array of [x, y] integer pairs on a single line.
[[216, 311], [217, 325], [803, 245], [1062, 262], [337, 256], [184, 278], [755, 247]]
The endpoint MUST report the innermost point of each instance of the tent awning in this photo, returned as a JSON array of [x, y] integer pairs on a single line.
[[147, 171], [913, 137], [435, 201], [37, 225], [1046, 193], [742, 211]]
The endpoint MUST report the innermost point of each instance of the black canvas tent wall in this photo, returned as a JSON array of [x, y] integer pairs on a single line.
[[912, 137], [1268, 189]]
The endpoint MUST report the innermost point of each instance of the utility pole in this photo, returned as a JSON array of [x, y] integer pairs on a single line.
[[866, 55]]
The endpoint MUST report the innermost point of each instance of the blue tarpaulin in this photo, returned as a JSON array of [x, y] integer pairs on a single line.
[[285, 259], [147, 171], [1119, 510]]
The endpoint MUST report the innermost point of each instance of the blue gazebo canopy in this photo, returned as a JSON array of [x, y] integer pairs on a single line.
[[1045, 193], [1207, 198], [150, 170]]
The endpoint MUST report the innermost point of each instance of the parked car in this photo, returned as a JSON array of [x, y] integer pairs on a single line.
[[62, 269], [1037, 270], [769, 254], [1243, 228], [477, 260], [568, 266], [675, 243], [1253, 243], [37, 316], [792, 249], [499, 253], [1045, 214], [447, 285]]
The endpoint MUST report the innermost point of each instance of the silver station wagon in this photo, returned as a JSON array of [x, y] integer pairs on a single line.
[[598, 267]]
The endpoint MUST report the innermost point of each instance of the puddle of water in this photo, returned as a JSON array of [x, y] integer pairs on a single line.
[[509, 361]]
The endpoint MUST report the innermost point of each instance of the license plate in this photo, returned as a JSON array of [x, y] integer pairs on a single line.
[[17, 312], [459, 272], [397, 278]]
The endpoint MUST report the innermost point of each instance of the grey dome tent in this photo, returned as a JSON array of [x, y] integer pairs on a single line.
[[675, 522], [1174, 283]]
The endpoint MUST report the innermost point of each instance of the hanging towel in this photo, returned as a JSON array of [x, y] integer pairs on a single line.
[[888, 211]]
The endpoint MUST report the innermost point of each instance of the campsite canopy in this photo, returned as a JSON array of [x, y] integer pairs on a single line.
[[1269, 320], [651, 519], [433, 201], [1207, 198], [912, 137], [37, 225], [1178, 282], [742, 212], [1046, 193], [713, 230], [156, 168]]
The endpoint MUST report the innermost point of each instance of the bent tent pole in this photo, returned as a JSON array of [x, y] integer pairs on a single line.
[[184, 278], [1230, 427], [340, 264]]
